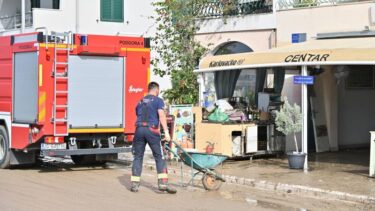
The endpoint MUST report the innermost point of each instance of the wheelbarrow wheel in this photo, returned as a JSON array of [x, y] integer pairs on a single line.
[[210, 182]]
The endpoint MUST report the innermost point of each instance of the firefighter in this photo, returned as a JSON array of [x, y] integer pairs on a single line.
[[150, 114]]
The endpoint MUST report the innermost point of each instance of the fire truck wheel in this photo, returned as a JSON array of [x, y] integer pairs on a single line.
[[86, 160], [4, 149]]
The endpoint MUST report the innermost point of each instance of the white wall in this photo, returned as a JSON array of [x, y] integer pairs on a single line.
[[256, 40], [136, 18], [60, 20], [356, 116], [238, 23]]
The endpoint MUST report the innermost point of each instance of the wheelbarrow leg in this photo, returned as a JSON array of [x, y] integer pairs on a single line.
[[182, 174], [192, 178], [191, 173]]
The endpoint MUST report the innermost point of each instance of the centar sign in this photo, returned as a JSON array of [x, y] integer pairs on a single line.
[[307, 58]]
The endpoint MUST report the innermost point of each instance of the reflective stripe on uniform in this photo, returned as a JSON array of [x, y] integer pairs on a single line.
[[163, 176], [135, 179]]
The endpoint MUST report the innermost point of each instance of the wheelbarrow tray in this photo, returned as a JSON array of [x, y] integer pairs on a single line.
[[202, 161]]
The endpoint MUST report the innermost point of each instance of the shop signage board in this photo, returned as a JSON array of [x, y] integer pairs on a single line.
[[299, 79], [184, 124]]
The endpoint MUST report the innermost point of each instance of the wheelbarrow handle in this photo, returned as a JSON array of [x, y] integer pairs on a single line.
[[183, 151], [170, 150]]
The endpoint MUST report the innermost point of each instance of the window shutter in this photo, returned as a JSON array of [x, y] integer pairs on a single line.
[[118, 10], [105, 10], [112, 10]]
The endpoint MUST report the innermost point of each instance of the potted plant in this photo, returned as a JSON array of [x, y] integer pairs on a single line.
[[289, 121]]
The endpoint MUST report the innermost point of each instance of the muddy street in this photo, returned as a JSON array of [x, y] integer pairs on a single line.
[[63, 186]]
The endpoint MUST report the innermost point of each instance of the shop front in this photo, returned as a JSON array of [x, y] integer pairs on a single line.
[[337, 105]]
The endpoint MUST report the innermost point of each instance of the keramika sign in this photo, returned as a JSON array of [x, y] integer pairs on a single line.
[[307, 58], [225, 63]]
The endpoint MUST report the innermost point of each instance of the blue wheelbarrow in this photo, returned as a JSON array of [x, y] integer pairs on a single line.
[[203, 163]]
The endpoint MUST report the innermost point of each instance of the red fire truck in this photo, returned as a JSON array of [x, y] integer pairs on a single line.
[[65, 94]]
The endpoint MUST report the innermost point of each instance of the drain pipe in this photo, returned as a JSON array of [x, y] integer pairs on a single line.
[[77, 16], [23, 16]]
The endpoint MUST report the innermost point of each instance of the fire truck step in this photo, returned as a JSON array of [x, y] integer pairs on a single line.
[[61, 92], [62, 77], [60, 120], [64, 74], [61, 106], [61, 63]]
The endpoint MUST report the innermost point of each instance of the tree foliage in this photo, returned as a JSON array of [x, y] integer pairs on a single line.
[[177, 51], [289, 120]]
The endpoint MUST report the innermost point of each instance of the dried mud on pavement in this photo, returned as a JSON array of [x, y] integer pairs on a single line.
[[63, 186]]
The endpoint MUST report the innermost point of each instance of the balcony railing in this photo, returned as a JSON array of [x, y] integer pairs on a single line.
[[14, 22], [219, 8], [289, 4]]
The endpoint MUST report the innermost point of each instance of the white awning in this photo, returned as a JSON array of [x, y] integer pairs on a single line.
[[348, 51]]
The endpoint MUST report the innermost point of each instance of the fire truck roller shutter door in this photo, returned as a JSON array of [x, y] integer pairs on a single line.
[[25, 87], [96, 91]]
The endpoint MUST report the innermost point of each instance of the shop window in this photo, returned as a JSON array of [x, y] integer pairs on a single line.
[[361, 77], [112, 10], [245, 86]]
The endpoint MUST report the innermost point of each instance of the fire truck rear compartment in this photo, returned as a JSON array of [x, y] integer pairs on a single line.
[[96, 92]]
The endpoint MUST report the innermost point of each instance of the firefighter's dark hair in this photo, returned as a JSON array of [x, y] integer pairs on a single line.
[[153, 85]]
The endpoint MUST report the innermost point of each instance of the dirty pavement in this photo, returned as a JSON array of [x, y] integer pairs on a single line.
[[100, 187]]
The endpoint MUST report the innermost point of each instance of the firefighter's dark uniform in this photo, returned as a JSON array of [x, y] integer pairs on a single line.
[[147, 132]]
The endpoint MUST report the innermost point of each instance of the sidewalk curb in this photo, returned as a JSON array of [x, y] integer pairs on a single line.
[[299, 189], [285, 188]]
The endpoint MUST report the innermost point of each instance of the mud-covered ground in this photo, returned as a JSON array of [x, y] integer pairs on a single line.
[[63, 186]]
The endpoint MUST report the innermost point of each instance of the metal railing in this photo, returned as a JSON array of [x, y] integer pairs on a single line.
[[218, 8], [290, 4], [14, 22]]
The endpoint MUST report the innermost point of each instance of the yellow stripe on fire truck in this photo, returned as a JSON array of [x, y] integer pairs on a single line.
[[42, 107]]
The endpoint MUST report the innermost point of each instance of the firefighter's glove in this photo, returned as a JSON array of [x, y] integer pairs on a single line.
[[167, 136]]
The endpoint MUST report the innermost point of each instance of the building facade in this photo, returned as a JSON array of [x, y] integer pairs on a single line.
[[105, 17], [340, 110]]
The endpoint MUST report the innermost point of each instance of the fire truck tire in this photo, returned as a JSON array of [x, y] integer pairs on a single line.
[[86, 160], [4, 149]]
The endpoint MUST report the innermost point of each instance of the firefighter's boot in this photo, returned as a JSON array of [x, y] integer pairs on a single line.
[[135, 187], [164, 186]]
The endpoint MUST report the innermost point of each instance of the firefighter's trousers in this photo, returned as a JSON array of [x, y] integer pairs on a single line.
[[150, 136]]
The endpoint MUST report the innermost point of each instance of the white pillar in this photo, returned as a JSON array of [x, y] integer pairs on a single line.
[[372, 154], [23, 16], [201, 89], [304, 116]]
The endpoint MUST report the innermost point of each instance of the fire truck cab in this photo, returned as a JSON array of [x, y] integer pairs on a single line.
[[65, 94]]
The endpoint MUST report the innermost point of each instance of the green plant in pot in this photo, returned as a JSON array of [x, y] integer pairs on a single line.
[[289, 121]]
